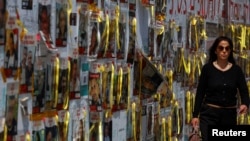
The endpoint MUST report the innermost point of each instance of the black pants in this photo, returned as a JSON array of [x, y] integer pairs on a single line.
[[216, 116]]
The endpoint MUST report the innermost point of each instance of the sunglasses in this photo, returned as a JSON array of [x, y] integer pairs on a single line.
[[221, 48]]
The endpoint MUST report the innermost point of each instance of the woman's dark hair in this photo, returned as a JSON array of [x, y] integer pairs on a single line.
[[213, 56]]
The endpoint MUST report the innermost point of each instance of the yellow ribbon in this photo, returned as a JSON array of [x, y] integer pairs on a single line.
[[159, 29], [55, 80], [66, 124], [160, 17], [134, 120], [66, 99], [248, 86], [169, 127], [119, 85], [186, 64], [188, 106], [96, 11], [5, 132], [129, 80], [169, 75], [243, 37], [105, 35], [203, 34], [27, 137], [24, 31], [112, 69], [117, 17], [69, 12], [232, 30], [164, 129], [196, 63], [248, 38], [100, 130], [177, 115], [133, 24]]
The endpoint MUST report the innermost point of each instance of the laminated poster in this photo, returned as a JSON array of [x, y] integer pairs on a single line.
[[95, 91], [12, 109], [38, 130], [119, 126], [63, 122], [27, 59], [45, 23], [79, 124], [28, 11], [63, 86], [51, 129], [24, 111], [39, 86], [107, 127], [11, 52], [61, 23], [93, 44], [52, 82], [148, 79], [82, 29], [75, 78]]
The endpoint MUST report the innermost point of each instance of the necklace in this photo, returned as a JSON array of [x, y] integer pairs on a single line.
[[224, 68]]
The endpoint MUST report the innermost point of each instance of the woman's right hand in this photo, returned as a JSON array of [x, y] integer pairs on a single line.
[[195, 122]]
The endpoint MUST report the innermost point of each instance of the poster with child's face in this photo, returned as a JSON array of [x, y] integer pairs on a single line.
[[63, 121], [38, 130], [11, 53], [27, 57], [44, 21], [75, 78], [93, 37], [61, 23], [45, 24], [12, 103], [44, 10], [52, 78], [39, 88], [95, 90], [78, 125], [125, 84], [82, 34], [63, 89], [51, 129]]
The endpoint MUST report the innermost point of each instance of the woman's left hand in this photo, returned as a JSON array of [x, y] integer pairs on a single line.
[[243, 109]]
